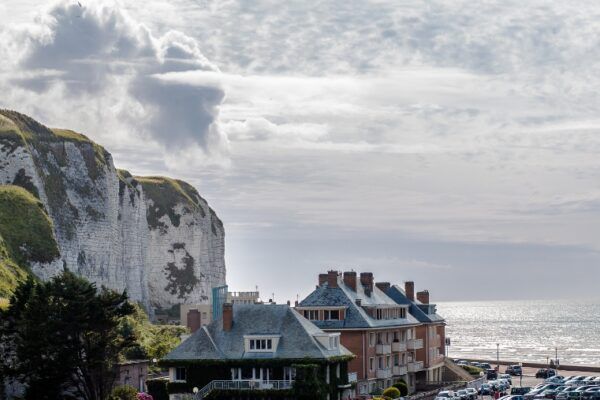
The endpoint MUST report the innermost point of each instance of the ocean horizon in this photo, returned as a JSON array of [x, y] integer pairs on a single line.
[[526, 330]]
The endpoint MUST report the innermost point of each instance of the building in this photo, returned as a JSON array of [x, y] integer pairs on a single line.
[[384, 333], [133, 373], [256, 346], [195, 316], [432, 329]]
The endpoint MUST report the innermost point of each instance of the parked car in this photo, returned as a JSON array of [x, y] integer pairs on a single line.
[[589, 393], [545, 373], [485, 389], [555, 379], [507, 377], [491, 374], [446, 394], [472, 393], [519, 391], [514, 370], [485, 366], [564, 395], [462, 394]]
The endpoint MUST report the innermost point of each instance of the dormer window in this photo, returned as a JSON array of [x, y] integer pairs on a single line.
[[331, 341], [261, 343]]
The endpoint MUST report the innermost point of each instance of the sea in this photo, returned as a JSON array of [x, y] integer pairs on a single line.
[[526, 331]]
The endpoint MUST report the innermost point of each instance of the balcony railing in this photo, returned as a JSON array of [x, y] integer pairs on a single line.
[[398, 370], [398, 347], [415, 366], [383, 349], [242, 385], [415, 344], [383, 373]]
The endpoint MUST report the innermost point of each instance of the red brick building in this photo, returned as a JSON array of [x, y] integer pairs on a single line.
[[389, 341]]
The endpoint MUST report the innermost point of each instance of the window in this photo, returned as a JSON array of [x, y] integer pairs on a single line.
[[335, 314], [333, 342], [261, 344], [380, 362], [371, 364], [311, 315], [371, 339], [289, 373], [396, 359], [180, 374]]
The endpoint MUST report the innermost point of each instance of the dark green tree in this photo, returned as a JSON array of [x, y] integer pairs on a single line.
[[308, 385], [61, 338]]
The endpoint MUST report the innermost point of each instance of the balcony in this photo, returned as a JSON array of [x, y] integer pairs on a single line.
[[415, 366], [383, 373], [398, 370], [415, 344], [383, 349], [398, 347]]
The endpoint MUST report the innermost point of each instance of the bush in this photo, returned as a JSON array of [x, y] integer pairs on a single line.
[[308, 385], [124, 392], [144, 396], [472, 370], [392, 392], [402, 387]]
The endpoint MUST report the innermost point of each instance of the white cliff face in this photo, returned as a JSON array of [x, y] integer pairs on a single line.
[[156, 237]]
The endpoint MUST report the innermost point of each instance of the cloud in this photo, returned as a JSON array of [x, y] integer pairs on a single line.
[[99, 56]]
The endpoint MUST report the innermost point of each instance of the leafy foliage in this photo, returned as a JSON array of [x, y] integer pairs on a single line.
[[124, 392], [402, 387], [158, 388], [63, 334], [308, 384], [391, 392], [472, 370], [152, 341]]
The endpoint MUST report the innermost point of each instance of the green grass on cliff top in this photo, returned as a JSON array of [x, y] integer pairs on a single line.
[[26, 235]]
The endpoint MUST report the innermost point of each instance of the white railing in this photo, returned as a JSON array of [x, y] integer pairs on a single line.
[[242, 385], [398, 370], [383, 373], [415, 366], [383, 349], [415, 344], [398, 347]]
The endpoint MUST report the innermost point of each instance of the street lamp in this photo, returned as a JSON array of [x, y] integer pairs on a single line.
[[498, 355], [195, 391]]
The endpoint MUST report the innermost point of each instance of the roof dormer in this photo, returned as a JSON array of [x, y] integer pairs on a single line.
[[261, 343]]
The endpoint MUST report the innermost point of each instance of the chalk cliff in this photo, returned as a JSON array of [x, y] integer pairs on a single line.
[[153, 236]]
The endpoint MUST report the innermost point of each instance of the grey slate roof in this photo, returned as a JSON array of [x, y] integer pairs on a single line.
[[297, 341], [417, 309], [356, 317]]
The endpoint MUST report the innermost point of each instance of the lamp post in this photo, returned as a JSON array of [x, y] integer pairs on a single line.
[[195, 391], [498, 356]]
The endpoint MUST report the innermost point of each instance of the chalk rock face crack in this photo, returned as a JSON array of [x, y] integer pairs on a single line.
[[156, 237]]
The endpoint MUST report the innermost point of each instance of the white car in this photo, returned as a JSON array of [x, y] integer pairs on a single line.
[[555, 379]]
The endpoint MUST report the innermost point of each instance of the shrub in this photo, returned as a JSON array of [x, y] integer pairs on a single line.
[[144, 396], [157, 388], [472, 370], [402, 387], [124, 392], [392, 392]]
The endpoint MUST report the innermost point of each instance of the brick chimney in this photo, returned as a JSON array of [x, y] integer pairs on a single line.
[[423, 296], [193, 320], [227, 316], [323, 279], [383, 286], [409, 289], [366, 279], [350, 279], [332, 279]]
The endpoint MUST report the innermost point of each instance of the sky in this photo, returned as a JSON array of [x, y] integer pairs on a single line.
[[453, 143]]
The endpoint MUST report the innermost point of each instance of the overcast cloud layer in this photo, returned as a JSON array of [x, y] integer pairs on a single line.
[[450, 142]]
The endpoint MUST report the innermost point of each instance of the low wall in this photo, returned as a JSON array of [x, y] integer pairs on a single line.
[[582, 368]]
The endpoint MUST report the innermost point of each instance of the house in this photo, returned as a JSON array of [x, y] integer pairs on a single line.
[[256, 347], [133, 373], [384, 333], [432, 329]]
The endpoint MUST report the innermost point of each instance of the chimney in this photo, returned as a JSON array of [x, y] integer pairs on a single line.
[[383, 286], [323, 279], [350, 279], [193, 320], [358, 302], [423, 296], [296, 303], [332, 279], [227, 316], [289, 303], [409, 289], [366, 279]]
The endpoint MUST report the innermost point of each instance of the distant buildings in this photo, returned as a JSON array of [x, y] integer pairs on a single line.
[[196, 315], [258, 346], [393, 335]]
